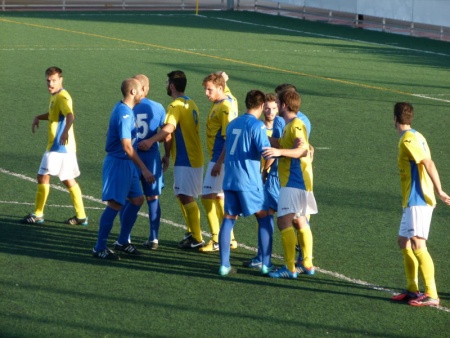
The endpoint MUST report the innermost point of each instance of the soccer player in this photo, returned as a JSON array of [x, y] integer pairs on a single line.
[[120, 174], [182, 121], [296, 199], [150, 116], [59, 158], [246, 138], [223, 110], [270, 179], [418, 178], [304, 234]]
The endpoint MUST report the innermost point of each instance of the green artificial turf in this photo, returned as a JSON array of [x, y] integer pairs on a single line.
[[349, 80]]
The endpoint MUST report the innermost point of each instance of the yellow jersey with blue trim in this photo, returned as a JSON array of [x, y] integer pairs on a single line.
[[220, 115], [416, 185], [60, 105], [295, 172], [186, 149], [234, 101], [269, 133]]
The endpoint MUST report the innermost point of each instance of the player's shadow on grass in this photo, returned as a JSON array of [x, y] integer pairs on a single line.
[[74, 244]]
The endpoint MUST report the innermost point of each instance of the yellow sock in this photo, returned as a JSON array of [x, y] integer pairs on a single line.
[[183, 212], [426, 266], [306, 244], [289, 240], [77, 200], [212, 215], [193, 216], [411, 270], [299, 239], [41, 197], [220, 207]]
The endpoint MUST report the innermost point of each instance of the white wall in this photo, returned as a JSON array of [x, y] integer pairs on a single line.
[[433, 12]]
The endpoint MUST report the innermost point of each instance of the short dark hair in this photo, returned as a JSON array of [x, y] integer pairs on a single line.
[[254, 99], [53, 70], [291, 99], [404, 112], [285, 86], [178, 79]]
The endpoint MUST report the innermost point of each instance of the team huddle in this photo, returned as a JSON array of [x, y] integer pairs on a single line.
[[259, 163]]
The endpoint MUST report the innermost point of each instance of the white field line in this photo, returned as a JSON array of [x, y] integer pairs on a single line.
[[253, 249], [265, 26], [326, 36], [320, 35]]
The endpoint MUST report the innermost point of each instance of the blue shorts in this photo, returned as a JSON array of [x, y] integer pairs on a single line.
[[120, 179], [152, 161], [271, 192], [243, 203]]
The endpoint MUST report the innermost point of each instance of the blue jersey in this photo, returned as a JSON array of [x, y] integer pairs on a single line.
[[150, 116], [279, 123], [122, 125], [245, 139]]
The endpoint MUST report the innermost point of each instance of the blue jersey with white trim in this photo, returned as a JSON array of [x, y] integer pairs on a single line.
[[245, 139], [150, 116], [122, 125]]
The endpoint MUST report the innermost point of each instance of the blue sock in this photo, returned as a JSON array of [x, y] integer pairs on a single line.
[[259, 253], [224, 241], [154, 215], [121, 216], [127, 219], [122, 211], [265, 233], [105, 226]]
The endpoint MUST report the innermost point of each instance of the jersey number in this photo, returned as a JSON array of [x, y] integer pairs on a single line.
[[236, 132], [141, 121]]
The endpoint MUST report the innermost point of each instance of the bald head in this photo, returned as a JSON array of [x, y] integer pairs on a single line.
[[128, 85], [145, 82]]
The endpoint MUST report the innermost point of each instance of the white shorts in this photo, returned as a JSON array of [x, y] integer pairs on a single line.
[[63, 165], [187, 181], [416, 222], [213, 184], [296, 201]]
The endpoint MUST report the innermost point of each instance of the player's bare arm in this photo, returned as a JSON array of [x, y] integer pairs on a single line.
[[161, 135], [430, 167], [167, 146], [64, 138], [292, 153], [129, 150], [36, 120], [215, 171]]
